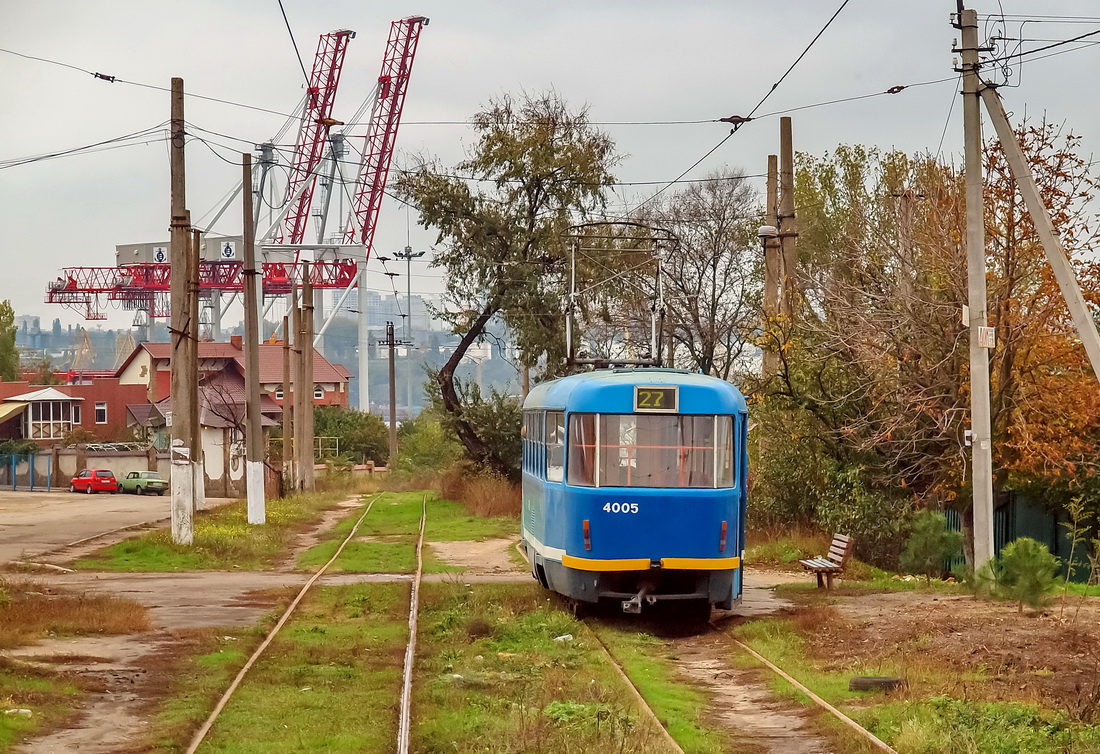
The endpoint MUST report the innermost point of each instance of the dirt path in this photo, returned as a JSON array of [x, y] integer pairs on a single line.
[[488, 557], [757, 720]]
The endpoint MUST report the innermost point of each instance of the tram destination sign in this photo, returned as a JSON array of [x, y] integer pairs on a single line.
[[656, 399]]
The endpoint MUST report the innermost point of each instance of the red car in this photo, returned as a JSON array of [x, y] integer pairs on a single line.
[[94, 480]]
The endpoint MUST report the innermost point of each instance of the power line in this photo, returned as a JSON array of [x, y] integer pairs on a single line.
[[1043, 49], [17, 161], [295, 44], [741, 121], [950, 109]]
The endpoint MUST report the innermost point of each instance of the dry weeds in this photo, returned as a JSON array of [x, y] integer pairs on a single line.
[[31, 611]]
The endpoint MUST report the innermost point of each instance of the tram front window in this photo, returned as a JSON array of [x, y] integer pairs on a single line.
[[649, 450]]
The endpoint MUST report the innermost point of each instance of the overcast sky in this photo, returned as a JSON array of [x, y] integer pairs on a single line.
[[628, 60]]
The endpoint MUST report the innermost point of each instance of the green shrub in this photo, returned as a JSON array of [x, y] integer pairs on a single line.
[[425, 447], [930, 545], [1024, 572]]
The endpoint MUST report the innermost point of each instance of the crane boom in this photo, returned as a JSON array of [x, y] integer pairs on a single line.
[[313, 133], [393, 83]]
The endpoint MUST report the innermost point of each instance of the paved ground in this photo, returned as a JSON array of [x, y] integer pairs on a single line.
[[32, 523]]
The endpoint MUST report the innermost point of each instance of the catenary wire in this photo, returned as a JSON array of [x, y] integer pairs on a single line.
[[293, 42], [950, 110], [737, 125]]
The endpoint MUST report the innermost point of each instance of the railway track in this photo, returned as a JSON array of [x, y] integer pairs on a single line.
[[747, 707], [405, 714]]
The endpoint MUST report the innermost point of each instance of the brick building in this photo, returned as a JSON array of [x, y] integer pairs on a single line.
[[46, 414]]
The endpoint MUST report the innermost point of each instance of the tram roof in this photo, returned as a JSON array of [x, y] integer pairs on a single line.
[[612, 391]]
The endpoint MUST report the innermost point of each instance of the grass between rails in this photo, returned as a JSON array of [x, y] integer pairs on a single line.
[[914, 721], [386, 540], [495, 672], [313, 689], [329, 682], [681, 707], [223, 539]]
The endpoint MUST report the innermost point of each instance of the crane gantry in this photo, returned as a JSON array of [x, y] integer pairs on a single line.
[[144, 284]]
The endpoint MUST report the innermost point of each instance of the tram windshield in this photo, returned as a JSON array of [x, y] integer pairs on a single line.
[[650, 450]]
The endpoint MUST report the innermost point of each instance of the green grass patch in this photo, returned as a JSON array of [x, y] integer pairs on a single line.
[[223, 539], [493, 676], [878, 582], [386, 540], [933, 725], [779, 640], [50, 697], [680, 706], [329, 681], [783, 549], [942, 725]]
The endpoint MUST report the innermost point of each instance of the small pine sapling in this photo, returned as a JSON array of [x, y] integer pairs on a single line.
[[1024, 572], [930, 545]]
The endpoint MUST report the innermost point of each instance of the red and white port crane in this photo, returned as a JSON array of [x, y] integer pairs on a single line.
[[393, 83], [313, 133], [145, 286]]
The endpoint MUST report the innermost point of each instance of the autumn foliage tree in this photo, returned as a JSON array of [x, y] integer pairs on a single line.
[[873, 383], [535, 168]]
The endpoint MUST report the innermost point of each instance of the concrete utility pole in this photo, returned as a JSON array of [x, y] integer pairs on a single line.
[[288, 411], [305, 419], [981, 433], [769, 235], [408, 255], [254, 450], [184, 373], [786, 222], [390, 342]]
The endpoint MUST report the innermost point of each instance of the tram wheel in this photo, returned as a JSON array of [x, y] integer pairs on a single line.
[[696, 612]]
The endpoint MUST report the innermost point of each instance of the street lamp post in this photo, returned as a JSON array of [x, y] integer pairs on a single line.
[[408, 255]]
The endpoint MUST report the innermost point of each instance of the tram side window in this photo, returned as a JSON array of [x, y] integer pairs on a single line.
[[532, 437], [724, 454], [582, 450], [555, 446]]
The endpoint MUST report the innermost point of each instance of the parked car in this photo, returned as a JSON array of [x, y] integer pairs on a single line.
[[141, 482], [94, 480]]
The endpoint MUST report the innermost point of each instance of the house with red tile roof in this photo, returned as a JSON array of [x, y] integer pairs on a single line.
[[150, 365]]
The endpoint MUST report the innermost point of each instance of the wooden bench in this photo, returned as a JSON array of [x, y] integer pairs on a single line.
[[828, 566]]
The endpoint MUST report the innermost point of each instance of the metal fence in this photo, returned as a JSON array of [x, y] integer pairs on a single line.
[[28, 472]]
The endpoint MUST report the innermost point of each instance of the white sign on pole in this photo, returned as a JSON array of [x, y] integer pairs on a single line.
[[168, 418]]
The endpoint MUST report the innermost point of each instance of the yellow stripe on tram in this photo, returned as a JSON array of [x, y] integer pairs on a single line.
[[701, 564], [590, 564]]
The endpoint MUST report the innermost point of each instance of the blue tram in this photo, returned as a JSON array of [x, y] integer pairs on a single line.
[[634, 488]]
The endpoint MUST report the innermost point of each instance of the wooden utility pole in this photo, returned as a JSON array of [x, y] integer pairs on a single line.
[[769, 236], [393, 396], [788, 227], [298, 383], [183, 371], [253, 437], [198, 461], [306, 386], [981, 431], [288, 411]]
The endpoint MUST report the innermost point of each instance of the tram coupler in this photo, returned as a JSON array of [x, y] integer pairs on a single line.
[[633, 606]]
